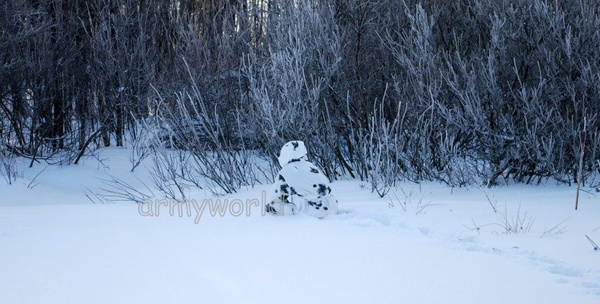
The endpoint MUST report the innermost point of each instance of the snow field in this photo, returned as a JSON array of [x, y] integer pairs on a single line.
[[58, 247]]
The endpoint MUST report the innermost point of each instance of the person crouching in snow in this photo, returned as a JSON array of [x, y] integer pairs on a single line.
[[300, 187]]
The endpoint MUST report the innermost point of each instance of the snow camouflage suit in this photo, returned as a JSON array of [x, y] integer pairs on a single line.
[[300, 187]]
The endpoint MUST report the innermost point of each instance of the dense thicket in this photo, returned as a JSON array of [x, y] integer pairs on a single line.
[[459, 91]]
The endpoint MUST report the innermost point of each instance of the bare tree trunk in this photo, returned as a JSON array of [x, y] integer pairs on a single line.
[[102, 118], [56, 109], [120, 129], [582, 137]]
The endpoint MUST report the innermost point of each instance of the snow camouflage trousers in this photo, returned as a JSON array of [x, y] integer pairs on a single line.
[[294, 204]]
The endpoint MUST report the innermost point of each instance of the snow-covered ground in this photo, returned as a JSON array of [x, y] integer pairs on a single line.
[[425, 243]]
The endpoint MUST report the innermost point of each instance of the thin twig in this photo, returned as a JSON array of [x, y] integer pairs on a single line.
[[593, 243]]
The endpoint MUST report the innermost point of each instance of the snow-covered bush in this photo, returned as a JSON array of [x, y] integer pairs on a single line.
[[289, 82], [499, 92], [488, 91]]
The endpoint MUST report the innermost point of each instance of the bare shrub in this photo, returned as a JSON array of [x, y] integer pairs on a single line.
[[211, 149], [519, 222], [8, 166]]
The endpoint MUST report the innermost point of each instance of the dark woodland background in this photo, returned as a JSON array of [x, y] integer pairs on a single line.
[[464, 92]]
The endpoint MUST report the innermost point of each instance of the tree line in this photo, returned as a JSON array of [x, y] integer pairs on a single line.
[[459, 91]]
